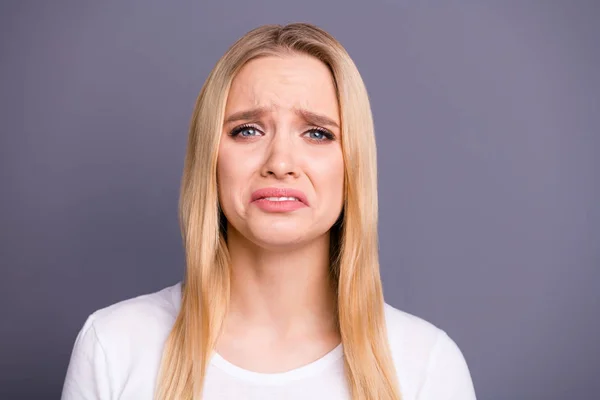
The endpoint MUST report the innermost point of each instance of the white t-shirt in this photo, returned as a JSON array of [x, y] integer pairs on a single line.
[[117, 355]]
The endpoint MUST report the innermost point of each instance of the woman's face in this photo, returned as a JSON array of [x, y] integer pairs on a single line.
[[280, 166]]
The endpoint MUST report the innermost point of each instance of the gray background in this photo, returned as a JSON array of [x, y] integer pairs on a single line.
[[486, 115]]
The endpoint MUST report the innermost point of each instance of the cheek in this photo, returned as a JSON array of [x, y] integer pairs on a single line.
[[226, 177], [330, 173], [234, 173]]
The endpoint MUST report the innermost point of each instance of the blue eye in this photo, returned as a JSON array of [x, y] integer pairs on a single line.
[[316, 135], [245, 131], [248, 132], [319, 135]]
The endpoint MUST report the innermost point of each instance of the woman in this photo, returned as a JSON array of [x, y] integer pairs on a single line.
[[282, 297]]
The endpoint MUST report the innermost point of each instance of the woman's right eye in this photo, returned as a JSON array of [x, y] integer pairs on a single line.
[[245, 131]]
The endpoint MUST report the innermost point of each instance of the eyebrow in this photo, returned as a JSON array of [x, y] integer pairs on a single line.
[[317, 119], [256, 113]]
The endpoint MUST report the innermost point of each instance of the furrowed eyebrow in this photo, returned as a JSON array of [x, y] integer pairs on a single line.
[[317, 119], [257, 113]]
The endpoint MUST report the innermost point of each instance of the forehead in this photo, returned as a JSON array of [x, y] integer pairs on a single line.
[[284, 82]]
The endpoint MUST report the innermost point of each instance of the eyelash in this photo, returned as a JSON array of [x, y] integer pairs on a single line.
[[327, 135]]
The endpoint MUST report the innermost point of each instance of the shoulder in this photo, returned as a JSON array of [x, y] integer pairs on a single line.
[[412, 341], [134, 323], [119, 347], [426, 358], [145, 315], [408, 329]]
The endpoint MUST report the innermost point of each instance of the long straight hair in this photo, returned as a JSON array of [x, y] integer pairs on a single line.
[[369, 368]]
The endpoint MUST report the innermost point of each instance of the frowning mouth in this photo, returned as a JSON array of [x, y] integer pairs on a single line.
[[279, 199]]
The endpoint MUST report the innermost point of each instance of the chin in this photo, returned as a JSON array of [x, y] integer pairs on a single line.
[[277, 238], [275, 233]]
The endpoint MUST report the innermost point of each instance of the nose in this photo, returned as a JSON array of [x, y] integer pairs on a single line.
[[280, 158]]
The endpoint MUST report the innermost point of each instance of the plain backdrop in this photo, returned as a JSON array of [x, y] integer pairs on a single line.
[[487, 125]]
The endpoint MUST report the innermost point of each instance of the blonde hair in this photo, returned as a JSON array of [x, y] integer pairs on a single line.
[[355, 274]]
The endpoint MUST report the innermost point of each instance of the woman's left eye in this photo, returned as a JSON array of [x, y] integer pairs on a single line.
[[319, 135]]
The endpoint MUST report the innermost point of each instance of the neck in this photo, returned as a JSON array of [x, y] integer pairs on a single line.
[[289, 292]]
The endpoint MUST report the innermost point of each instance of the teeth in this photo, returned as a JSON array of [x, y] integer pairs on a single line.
[[281, 198]]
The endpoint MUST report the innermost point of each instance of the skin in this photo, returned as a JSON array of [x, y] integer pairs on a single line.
[[281, 313]]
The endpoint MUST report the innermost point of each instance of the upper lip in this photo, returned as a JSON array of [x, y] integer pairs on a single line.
[[278, 192]]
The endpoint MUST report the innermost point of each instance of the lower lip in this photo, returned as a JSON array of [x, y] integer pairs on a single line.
[[279, 206]]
